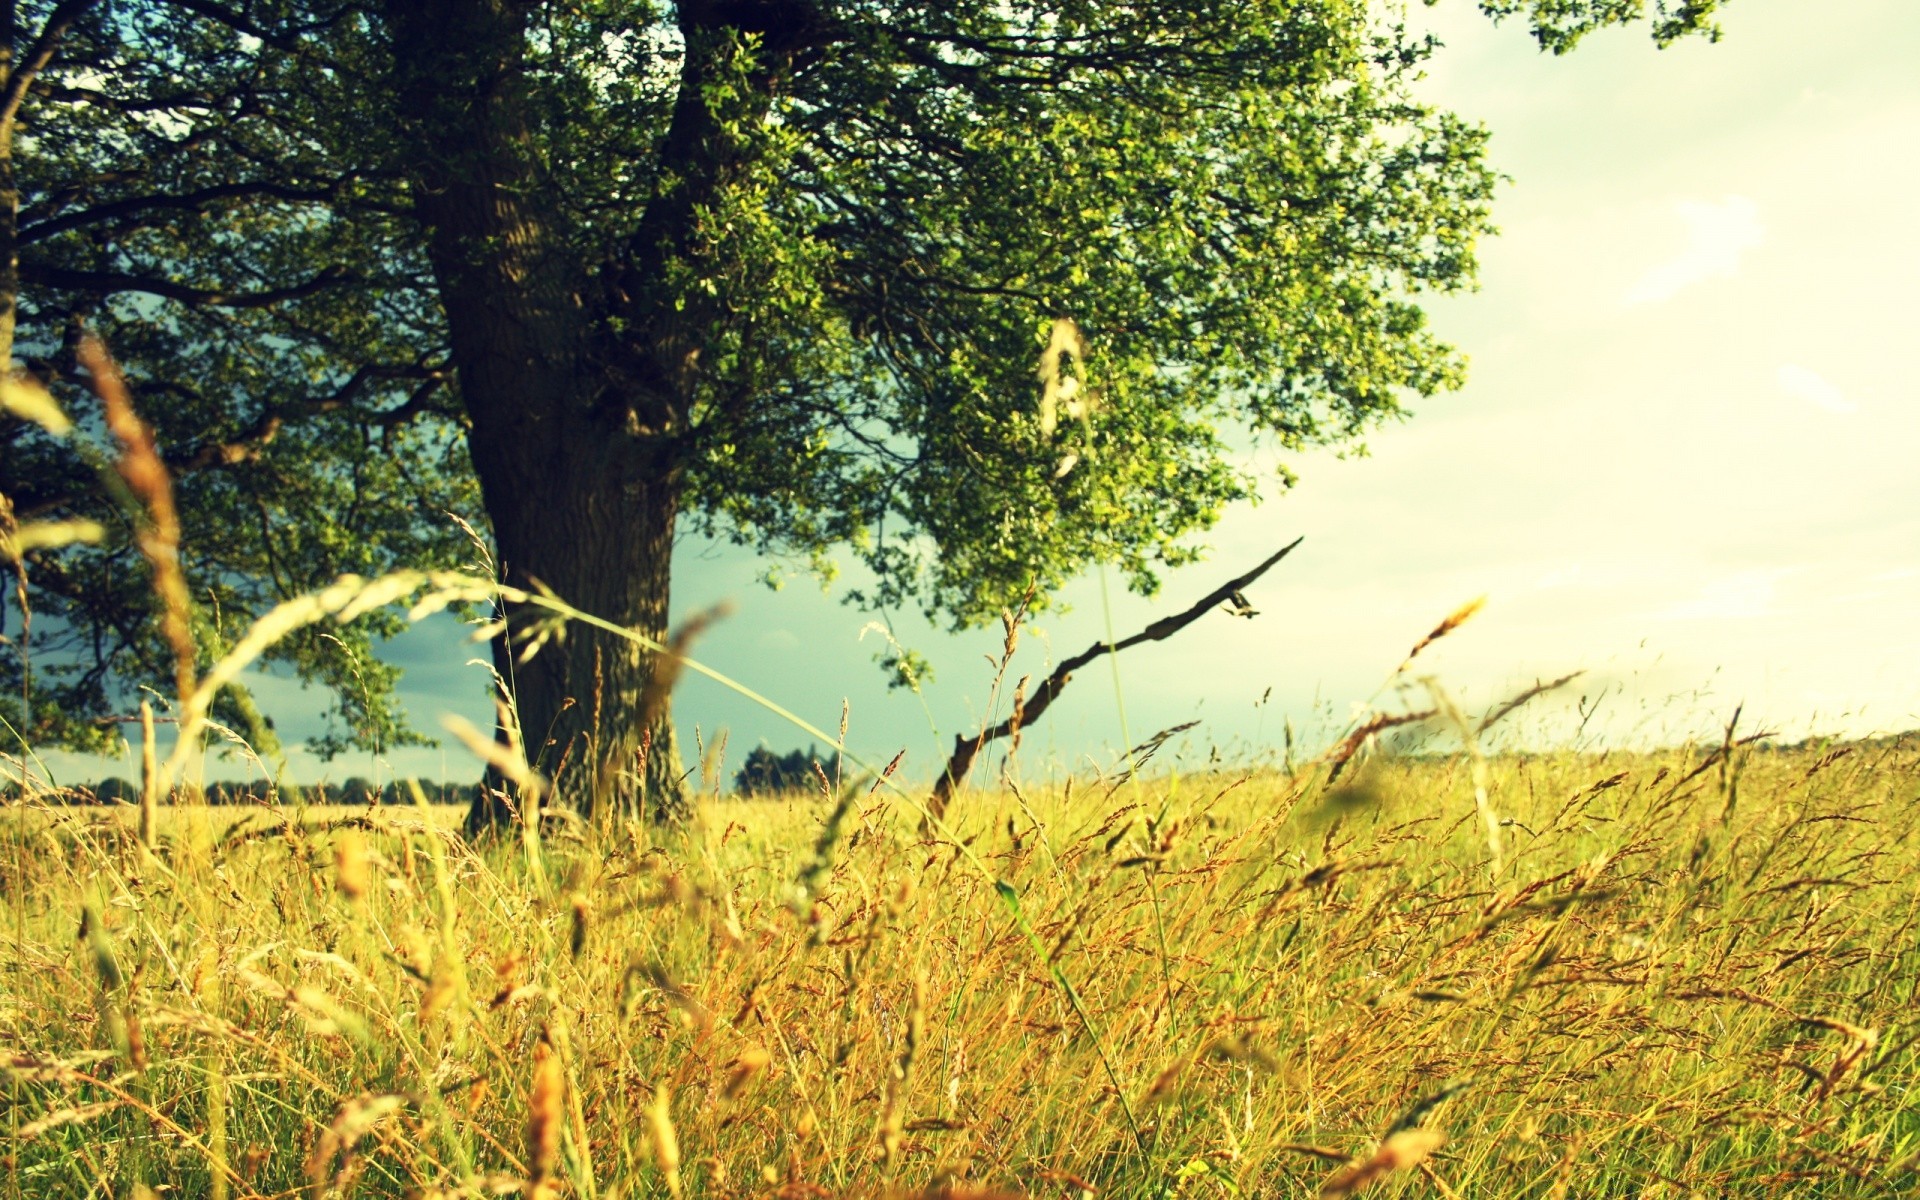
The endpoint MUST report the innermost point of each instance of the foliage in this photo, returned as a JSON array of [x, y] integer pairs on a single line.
[[1559, 25], [188, 189], [804, 256]]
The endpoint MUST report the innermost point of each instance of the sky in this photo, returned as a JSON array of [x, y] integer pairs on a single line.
[[1684, 464]]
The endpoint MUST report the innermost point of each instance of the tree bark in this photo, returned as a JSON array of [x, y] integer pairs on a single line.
[[578, 464], [605, 546]]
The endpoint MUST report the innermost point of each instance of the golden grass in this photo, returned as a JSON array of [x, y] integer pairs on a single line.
[[198, 822], [1214, 986]]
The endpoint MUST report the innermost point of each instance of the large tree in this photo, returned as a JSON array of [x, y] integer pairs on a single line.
[[776, 270]]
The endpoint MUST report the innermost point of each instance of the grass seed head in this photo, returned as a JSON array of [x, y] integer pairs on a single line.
[[1400, 1152], [1454, 620], [544, 1118], [666, 1143], [352, 865], [746, 1065]]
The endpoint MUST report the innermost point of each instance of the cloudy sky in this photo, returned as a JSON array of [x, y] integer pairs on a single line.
[[1686, 462]]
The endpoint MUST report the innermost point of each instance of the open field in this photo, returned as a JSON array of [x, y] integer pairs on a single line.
[[1681, 974], [200, 822]]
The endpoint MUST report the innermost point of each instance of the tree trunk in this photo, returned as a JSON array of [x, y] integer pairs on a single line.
[[9, 191], [605, 546], [577, 462]]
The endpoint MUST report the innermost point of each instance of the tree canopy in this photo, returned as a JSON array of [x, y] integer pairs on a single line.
[[778, 271]]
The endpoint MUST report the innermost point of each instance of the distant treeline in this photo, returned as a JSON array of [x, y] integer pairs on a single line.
[[764, 774], [768, 774], [350, 791]]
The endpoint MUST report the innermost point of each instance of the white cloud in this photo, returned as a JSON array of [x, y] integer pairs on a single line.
[[1717, 235], [1810, 386], [1748, 594], [1559, 577]]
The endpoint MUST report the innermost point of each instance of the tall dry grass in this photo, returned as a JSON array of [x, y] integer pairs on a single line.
[[1204, 986]]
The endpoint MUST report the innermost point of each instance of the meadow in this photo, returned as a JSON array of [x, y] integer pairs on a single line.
[[1683, 973]]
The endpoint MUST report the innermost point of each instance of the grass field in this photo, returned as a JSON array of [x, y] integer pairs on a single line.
[[199, 823], [1681, 974]]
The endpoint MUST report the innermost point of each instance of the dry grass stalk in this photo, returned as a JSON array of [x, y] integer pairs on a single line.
[[507, 758], [140, 466], [668, 662], [352, 1121], [1344, 751], [666, 1143], [1482, 778], [150, 782], [893, 1116], [19, 539], [1061, 393], [1454, 620], [544, 1117], [1519, 699], [1017, 715], [1858, 1043], [1165, 1085], [1399, 1152], [25, 397], [345, 599], [77, 1115]]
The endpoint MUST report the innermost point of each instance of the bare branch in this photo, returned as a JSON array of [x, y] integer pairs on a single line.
[[966, 749]]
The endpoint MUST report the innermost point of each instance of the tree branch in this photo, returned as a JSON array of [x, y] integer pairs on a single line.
[[39, 55], [239, 22], [189, 201], [965, 749], [67, 93], [245, 446], [109, 281]]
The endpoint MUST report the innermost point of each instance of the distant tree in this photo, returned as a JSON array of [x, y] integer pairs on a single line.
[[238, 792], [400, 791], [765, 773], [357, 790], [115, 790]]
